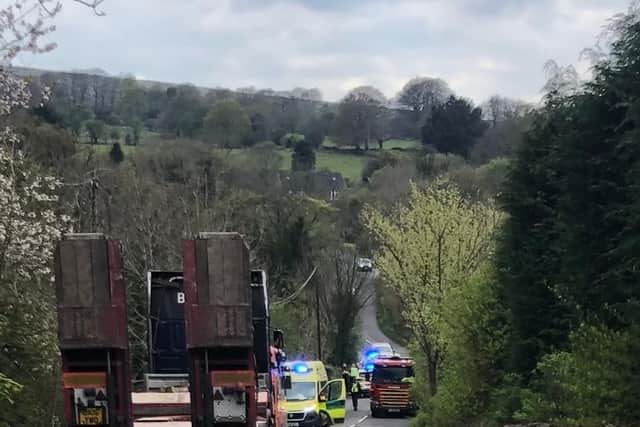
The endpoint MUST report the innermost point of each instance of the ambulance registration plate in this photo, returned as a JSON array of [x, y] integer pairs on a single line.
[[91, 417]]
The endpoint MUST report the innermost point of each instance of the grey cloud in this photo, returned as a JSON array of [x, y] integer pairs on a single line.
[[479, 46]]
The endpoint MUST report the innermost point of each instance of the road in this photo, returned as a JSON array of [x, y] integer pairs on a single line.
[[370, 330], [371, 333], [362, 418]]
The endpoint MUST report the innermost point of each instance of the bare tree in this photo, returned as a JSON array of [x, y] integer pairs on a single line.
[[561, 80], [422, 93], [360, 117], [344, 295], [498, 109]]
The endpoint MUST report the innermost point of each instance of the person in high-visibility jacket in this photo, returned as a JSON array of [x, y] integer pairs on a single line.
[[355, 386]]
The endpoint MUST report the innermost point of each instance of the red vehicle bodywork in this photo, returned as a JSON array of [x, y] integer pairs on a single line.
[[391, 395], [92, 323]]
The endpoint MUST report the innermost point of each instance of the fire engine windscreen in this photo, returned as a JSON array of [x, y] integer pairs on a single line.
[[391, 374]]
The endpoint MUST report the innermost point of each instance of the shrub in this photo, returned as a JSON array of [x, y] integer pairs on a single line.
[[593, 384]]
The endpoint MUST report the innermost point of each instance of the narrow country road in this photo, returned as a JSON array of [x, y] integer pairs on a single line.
[[362, 418], [371, 333], [369, 323]]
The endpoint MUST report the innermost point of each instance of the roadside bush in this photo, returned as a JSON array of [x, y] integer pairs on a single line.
[[474, 331], [431, 165], [595, 384]]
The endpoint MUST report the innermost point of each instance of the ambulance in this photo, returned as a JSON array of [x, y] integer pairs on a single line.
[[311, 400]]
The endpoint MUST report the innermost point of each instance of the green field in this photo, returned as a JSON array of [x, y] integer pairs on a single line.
[[348, 165], [345, 162], [105, 148], [406, 144]]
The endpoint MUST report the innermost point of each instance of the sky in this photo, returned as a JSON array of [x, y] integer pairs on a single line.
[[480, 47]]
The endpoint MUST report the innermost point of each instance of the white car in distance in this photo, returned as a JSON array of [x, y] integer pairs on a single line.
[[365, 264]]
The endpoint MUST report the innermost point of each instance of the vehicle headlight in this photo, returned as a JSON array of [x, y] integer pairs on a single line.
[[310, 413]]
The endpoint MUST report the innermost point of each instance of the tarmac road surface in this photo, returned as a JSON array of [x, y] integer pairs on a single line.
[[362, 418], [369, 323]]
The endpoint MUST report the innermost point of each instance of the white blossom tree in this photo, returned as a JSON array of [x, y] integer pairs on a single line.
[[30, 224], [29, 227]]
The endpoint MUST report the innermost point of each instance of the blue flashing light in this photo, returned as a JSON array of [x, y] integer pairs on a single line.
[[368, 367], [300, 368], [372, 354]]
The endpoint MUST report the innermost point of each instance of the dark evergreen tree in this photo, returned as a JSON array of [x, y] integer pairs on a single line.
[[116, 154], [304, 157], [453, 127]]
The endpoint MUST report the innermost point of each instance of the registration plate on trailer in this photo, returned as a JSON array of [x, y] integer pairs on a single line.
[[91, 417]]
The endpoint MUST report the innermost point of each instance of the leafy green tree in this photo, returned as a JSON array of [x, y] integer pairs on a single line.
[[76, 118], [318, 127], [227, 124], [96, 130], [453, 127], [136, 128], [426, 254], [184, 112], [114, 134], [475, 332], [131, 104]]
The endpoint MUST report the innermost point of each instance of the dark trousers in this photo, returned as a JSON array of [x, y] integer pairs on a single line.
[[354, 400]]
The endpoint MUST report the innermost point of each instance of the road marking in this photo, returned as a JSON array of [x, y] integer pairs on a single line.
[[360, 421]]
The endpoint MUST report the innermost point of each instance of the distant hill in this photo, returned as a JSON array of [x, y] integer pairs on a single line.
[[92, 71], [312, 94]]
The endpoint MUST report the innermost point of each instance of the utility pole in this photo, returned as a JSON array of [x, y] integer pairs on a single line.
[[318, 319]]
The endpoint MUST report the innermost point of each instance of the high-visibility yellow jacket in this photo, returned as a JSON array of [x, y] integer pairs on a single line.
[[354, 373]]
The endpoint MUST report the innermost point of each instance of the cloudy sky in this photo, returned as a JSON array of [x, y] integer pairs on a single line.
[[480, 47]]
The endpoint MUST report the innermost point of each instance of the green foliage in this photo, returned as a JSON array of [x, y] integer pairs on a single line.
[[593, 384], [290, 140], [96, 130], [378, 162], [453, 127], [426, 255], [304, 156], [475, 331], [567, 260], [114, 134], [432, 165], [360, 118], [389, 314], [8, 389], [227, 124], [344, 294], [318, 126], [116, 154], [131, 105], [76, 118]]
